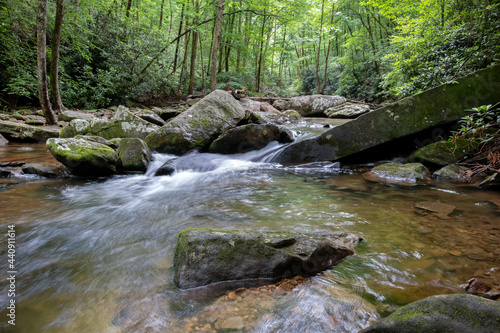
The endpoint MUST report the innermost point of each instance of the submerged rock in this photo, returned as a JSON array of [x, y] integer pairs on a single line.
[[196, 127], [205, 256], [250, 137], [443, 313], [84, 157], [5, 173]]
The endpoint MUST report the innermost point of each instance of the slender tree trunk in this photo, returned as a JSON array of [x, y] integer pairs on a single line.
[[192, 68], [43, 91], [184, 59], [202, 67], [238, 50], [129, 5], [176, 55], [261, 51], [161, 13], [319, 46], [320, 91], [54, 61], [218, 25]]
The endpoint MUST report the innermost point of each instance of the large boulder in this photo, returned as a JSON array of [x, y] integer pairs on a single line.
[[134, 154], [347, 110], [256, 106], [198, 126], [84, 156], [71, 115], [249, 137], [21, 132], [310, 105], [205, 256], [124, 124], [431, 109], [443, 313]]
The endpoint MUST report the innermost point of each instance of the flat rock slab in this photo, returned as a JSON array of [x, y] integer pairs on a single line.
[[204, 256], [436, 207], [21, 132]]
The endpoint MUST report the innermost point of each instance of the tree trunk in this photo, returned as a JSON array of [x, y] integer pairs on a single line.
[[319, 46], [161, 14], [320, 91], [176, 55], [215, 49], [43, 92], [192, 68], [261, 47], [129, 5], [54, 61]]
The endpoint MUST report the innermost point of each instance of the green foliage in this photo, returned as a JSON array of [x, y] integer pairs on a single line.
[[475, 126]]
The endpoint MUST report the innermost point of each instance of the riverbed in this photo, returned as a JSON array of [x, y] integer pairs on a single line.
[[96, 255]]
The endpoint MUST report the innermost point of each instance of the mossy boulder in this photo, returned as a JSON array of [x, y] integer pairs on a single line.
[[398, 173], [198, 126], [442, 152], [84, 156], [249, 137], [124, 124], [453, 173], [134, 154], [431, 109], [443, 313], [71, 115], [204, 256]]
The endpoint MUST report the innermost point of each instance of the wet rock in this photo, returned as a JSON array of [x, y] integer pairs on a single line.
[[409, 116], [478, 254], [35, 122], [409, 172], [443, 313], [3, 140], [21, 132], [84, 157], [250, 137], [71, 115], [347, 110], [5, 173], [442, 153], [166, 169], [231, 323], [134, 154], [74, 128], [198, 126], [49, 171], [476, 287], [453, 173], [205, 256]]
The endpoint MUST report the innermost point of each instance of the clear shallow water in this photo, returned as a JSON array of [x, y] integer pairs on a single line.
[[96, 256]]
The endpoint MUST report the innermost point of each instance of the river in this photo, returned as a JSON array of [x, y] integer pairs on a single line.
[[96, 255]]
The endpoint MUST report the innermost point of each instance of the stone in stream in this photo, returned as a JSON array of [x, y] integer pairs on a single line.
[[198, 126], [310, 105], [442, 313], [398, 173], [5, 173], [124, 124], [166, 169], [49, 171], [134, 154], [249, 137], [453, 173], [434, 109], [436, 207], [84, 156], [347, 110], [204, 256]]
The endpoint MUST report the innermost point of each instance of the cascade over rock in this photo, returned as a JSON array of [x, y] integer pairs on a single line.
[[435, 107], [198, 126], [204, 256]]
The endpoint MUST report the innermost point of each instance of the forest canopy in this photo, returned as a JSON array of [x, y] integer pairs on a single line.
[[149, 51]]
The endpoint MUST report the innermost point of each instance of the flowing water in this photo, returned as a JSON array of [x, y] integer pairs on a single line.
[[96, 255]]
